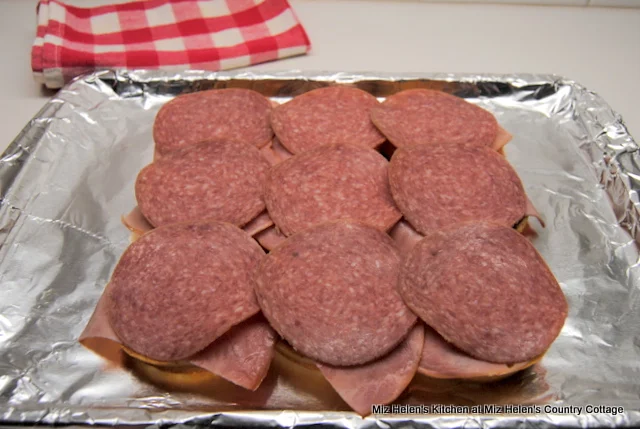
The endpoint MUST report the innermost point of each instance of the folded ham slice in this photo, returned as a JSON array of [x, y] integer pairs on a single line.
[[270, 238], [380, 381], [441, 359], [405, 236], [135, 222], [243, 355], [502, 138]]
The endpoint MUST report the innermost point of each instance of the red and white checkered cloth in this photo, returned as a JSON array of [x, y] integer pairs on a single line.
[[162, 34]]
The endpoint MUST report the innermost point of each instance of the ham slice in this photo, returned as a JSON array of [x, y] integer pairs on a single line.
[[258, 224], [270, 238], [440, 359], [380, 381], [243, 355], [98, 326], [502, 138], [531, 211], [138, 224], [404, 236]]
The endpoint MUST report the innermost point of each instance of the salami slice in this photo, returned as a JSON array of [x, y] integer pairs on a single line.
[[336, 114], [221, 182], [331, 183], [441, 359], [443, 184], [237, 115], [423, 116], [330, 291], [242, 355], [486, 290], [380, 381], [178, 288]]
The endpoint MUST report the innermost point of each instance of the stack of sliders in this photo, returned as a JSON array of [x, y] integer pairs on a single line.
[[265, 229]]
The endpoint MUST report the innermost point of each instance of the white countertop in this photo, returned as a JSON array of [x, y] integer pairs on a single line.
[[597, 47]]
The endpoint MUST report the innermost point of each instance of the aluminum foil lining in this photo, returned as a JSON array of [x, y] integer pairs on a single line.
[[68, 177]]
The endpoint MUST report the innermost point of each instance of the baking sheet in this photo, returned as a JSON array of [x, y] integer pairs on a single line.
[[67, 179]]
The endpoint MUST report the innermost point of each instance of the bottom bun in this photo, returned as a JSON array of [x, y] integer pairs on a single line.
[[286, 351], [291, 383], [294, 382], [177, 377], [287, 360], [522, 225], [158, 363]]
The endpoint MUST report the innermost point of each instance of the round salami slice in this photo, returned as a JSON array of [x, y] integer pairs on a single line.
[[179, 287], [331, 293], [443, 184], [331, 183], [238, 115], [423, 116], [486, 290], [221, 181], [336, 114]]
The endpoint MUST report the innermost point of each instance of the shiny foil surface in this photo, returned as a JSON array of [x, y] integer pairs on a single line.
[[68, 177]]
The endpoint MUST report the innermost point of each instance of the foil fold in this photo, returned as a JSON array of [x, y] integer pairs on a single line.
[[68, 177]]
